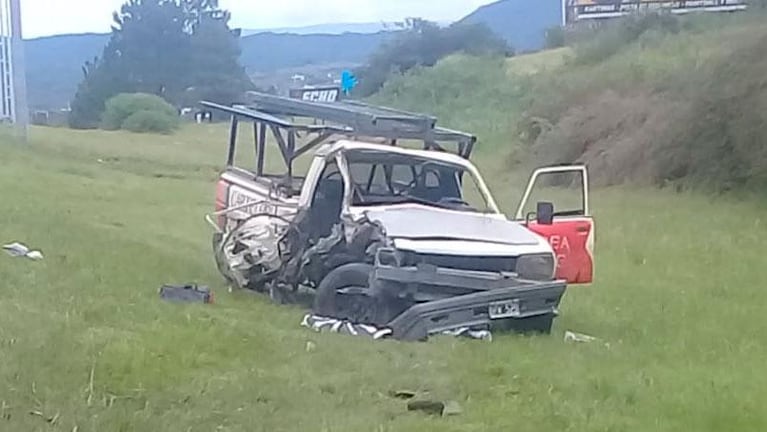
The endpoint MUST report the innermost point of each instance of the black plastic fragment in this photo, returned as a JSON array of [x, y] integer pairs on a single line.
[[191, 293]]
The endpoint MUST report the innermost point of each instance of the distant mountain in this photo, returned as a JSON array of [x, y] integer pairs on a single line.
[[340, 28], [54, 66], [333, 29], [265, 52], [521, 22]]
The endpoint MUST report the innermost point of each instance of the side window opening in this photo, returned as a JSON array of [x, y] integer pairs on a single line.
[[327, 202], [564, 190]]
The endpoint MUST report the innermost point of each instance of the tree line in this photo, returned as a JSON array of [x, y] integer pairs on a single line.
[[181, 50], [422, 43]]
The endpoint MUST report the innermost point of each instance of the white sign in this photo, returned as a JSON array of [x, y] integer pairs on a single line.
[[320, 95], [594, 9]]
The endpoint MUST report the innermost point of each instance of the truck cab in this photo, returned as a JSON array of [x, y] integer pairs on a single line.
[[388, 235]]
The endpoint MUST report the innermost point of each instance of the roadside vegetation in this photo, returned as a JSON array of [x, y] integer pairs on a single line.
[[422, 43], [652, 100], [88, 343], [139, 112]]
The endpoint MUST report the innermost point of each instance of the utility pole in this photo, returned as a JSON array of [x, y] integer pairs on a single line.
[[13, 83]]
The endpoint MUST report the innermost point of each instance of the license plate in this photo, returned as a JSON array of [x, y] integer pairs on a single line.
[[505, 309]]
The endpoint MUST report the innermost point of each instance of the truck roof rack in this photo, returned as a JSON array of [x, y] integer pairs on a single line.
[[317, 122]]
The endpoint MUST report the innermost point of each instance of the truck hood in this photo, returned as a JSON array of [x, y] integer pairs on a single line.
[[422, 223]]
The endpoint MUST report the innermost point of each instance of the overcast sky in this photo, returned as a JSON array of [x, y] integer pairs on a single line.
[[49, 17]]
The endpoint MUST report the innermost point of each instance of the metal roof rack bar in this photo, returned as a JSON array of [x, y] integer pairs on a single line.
[[351, 119]]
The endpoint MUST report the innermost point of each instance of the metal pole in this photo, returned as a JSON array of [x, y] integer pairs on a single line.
[[6, 85], [19, 71]]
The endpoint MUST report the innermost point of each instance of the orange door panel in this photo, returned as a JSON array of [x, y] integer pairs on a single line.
[[572, 241]]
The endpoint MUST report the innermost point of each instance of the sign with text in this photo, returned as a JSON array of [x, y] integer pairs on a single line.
[[578, 10], [316, 94]]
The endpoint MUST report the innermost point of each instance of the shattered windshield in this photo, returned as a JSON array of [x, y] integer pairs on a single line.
[[386, 178]]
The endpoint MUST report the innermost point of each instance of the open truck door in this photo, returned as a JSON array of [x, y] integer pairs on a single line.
[[569, 230]]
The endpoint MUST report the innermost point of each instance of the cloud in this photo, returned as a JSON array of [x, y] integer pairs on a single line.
[[293, 13], [48, 17]]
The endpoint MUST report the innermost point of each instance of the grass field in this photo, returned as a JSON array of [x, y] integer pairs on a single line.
[[86, 344]]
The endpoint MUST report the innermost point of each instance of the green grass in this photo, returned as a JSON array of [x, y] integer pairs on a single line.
[[679, 298]]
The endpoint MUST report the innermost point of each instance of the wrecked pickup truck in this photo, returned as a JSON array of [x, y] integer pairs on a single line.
[[380, 233]]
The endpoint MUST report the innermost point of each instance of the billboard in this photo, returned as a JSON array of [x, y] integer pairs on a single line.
[[578, 10]]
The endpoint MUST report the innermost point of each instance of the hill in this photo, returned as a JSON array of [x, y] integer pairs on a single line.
[[647, 101], [333, 28], [88, 344], [265, 52], [522, 23], [54, 64]]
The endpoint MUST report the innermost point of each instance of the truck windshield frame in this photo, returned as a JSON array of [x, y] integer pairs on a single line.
[[380, 178]]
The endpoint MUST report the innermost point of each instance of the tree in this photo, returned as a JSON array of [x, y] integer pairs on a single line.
[[181, 50], [424, 43], [218, 75]]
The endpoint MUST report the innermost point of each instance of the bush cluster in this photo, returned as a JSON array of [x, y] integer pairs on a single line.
[[141, 113]]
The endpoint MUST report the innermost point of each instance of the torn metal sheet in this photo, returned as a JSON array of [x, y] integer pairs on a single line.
[[320, 324], [578, 337]]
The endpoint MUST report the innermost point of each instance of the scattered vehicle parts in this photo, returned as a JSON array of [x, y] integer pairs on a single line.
[[387, 236], [320, 324], [190, 293], [578, 337], [348, 327], [440, 408], [17, 250]]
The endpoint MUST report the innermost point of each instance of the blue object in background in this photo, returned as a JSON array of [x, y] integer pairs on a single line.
[[348, 81]]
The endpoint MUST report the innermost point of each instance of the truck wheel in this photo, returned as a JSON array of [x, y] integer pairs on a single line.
[[537, 324], [344, 294]]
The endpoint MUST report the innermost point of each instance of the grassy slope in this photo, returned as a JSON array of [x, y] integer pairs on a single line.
[[615, 105], [678, 298]]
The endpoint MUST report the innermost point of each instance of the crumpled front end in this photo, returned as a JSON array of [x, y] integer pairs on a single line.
[[249, 255], [457, 299]]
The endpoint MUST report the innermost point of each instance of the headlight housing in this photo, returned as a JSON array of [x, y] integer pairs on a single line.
[[538, 267]]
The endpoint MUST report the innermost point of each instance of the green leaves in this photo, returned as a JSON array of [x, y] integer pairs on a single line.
[[180, 50], [424, 43]]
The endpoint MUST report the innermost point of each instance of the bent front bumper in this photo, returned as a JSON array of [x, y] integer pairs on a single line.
[[448, 299]]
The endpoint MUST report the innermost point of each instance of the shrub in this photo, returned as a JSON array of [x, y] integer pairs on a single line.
[[149, 121], [699, 126], [139, 112], [720, 143], [612, 37], [423, 43], [475, 94]]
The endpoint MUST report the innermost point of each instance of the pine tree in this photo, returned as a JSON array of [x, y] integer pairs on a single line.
[[181, 50]]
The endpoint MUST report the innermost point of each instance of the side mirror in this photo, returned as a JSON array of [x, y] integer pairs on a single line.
[[544, 213]]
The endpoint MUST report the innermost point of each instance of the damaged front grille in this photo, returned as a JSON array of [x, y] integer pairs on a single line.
[[463, 262]]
